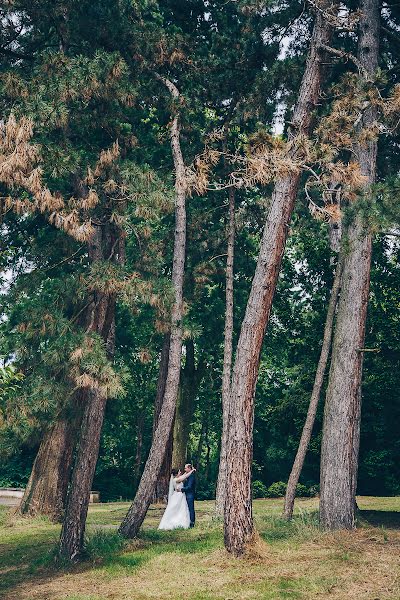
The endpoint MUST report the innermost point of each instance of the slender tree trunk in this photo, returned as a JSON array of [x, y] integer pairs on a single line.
[[238, 529], [162, 485], [316, 392], [207, 465], [341, 431], [137, 512], [101, 315], [185, 407], [139, 446], [203, 433], [47, 487], [228, 351]]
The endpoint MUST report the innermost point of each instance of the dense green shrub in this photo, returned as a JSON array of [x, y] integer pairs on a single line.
[[259, 490], [302, 491], [276, 490]]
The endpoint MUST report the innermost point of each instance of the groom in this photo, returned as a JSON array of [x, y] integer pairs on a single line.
[[189, 488]]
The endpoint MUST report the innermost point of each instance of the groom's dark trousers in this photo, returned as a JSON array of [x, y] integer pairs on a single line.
[[189, 487]]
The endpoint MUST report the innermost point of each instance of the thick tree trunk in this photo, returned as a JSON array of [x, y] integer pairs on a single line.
[[228, 351], [341, 431], [316, 392], [162, 485], [47, 487], [101, 321], [185, 407], [238, 529], [137, 512]]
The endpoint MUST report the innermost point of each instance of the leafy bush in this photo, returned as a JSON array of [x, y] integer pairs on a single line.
[[259, 490], [276, 490], [302, 491]]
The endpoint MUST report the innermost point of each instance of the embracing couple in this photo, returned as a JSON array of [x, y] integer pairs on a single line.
[[180, 507]]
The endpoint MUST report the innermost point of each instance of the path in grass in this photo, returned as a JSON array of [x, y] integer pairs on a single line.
[[294, 561]]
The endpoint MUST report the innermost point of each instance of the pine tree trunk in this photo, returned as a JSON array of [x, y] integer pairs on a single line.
[[162, 485], [137, 512], [316, 392], [227, 368], [238, 529], [47, 487], [101, 316], [341, 431], [185, 407]]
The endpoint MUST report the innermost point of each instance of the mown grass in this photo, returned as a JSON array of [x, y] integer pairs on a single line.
[[289, 560]]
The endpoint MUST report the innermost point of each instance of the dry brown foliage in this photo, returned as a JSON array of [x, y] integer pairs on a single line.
[[22, 175]]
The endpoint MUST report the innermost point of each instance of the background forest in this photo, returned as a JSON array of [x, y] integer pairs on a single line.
[[87, 111]]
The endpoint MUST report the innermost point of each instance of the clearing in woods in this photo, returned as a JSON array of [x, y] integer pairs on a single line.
[[289, 561]]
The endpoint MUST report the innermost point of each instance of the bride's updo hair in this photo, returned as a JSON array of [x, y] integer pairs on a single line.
[[174, 472]]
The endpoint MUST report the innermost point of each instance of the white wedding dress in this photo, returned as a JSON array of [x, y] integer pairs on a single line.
[[177, 512]]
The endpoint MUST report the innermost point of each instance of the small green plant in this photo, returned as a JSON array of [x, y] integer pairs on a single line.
[[102, 543]]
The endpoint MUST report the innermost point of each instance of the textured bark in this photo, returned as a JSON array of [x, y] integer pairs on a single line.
[[101, 315], [162, 485], [341, 431], [190, 381], [316, 392], [228, 351], [238, 518], [137, 512], [47, 487]]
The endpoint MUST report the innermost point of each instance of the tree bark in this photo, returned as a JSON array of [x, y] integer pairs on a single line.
[[238, 530], [341, 430], [162, 485], [137, 512], [228, 351], [47, 487], [316, 392], [101, 316], [185, 407]]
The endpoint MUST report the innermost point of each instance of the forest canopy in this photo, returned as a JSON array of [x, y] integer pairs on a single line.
[[145, 147]]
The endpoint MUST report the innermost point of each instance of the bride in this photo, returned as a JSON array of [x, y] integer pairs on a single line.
[[177, 512]]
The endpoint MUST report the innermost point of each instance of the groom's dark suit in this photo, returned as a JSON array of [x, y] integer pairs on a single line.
[[189, 487]]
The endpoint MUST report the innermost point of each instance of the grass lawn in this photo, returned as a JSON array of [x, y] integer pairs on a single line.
[[290, 561]]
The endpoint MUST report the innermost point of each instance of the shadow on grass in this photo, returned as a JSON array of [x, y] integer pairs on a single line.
[[380, 518], [34, 561]]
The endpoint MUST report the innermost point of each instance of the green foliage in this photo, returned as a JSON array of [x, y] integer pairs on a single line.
[[84, 73], [276, 490], [259, 490], [15, 471], [103, 543], [9, 380]]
